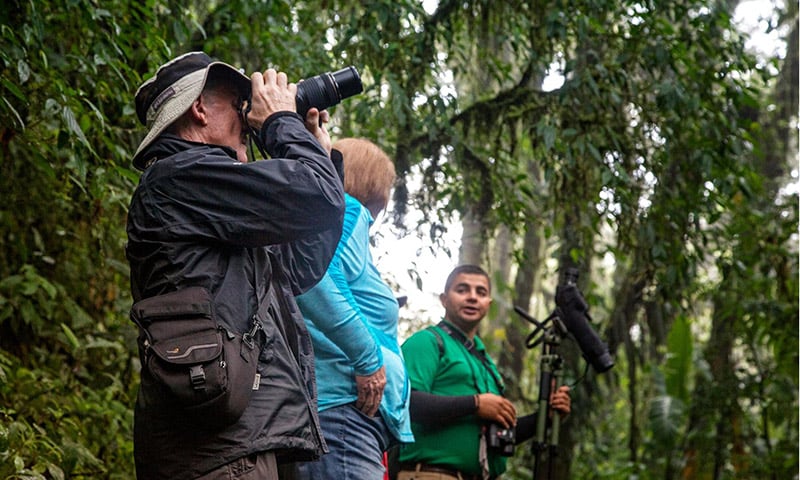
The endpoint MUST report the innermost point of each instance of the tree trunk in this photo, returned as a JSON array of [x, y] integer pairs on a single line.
[[714, 408], [512, 358], [473, 239]]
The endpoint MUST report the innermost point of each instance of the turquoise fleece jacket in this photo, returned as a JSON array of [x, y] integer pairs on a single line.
[[352, 317]]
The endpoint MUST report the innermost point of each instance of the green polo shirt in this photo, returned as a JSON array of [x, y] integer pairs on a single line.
[[451, 371]]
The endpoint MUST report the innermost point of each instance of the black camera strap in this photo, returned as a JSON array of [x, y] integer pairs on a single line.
[[245, 104], [480, 355]]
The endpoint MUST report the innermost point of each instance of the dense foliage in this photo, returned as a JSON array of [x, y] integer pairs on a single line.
[[665, 153]]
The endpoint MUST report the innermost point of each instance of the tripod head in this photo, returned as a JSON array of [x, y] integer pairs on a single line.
[[550, 331], [570, 317]]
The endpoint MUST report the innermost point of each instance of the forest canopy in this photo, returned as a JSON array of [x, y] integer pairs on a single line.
[[663, 167]]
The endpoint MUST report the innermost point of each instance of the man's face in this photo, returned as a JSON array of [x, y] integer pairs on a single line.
[[225, 125], [467, 301]]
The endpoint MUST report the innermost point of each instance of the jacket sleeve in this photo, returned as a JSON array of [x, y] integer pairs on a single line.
[[306, 260], [331, 305], [439, 410], [209, 197], [328, 307]]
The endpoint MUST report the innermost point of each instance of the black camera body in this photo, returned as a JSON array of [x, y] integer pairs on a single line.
[[327, 89], [501, 440]]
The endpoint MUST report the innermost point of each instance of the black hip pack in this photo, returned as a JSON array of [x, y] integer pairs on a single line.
[[205, 368]]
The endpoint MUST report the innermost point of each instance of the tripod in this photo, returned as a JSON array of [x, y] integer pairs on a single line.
[[550, 370]]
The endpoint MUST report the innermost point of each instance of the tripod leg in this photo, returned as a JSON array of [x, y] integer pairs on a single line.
[[555, 423], [552, 451], [540, 442]]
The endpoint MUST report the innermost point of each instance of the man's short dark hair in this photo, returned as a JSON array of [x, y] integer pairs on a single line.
[[468, 269]]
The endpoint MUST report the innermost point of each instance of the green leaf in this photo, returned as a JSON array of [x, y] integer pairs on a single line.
[[679, 359], [666, 419], [548, 133], [72, 125], [55, 472], [13, 89], [16, 114], [71, 338], [23, 70]]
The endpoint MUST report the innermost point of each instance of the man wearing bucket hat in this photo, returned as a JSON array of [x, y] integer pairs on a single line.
[[251, 234]]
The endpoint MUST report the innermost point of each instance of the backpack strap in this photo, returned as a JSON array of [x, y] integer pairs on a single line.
[[439, 340]]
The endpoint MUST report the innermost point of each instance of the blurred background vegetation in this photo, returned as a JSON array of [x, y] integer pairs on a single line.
[[662, 164]]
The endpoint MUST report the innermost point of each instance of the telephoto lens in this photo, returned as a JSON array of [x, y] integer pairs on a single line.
[[327, 89], [575, 315]]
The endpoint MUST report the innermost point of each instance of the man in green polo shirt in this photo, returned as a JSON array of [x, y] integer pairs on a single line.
[[456, 391]]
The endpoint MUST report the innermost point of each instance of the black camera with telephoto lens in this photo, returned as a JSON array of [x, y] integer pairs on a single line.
[[574, 312], [327, 89], [320, 92], [500, 439]]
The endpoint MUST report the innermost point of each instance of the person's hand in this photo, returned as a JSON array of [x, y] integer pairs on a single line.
[[560, 401], [370, 391], [315, 123], [271, 92], [496, 409]]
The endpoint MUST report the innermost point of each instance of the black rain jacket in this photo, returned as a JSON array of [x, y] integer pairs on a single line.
[[201, 218]]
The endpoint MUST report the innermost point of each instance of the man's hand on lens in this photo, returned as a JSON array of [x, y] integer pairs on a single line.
[[315, 123], [271, 92]]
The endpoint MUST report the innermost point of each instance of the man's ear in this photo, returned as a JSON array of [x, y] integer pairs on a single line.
[[199, 111], [442, 298]]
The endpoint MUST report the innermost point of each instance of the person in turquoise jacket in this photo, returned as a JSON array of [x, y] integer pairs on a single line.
[[352, 314]]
